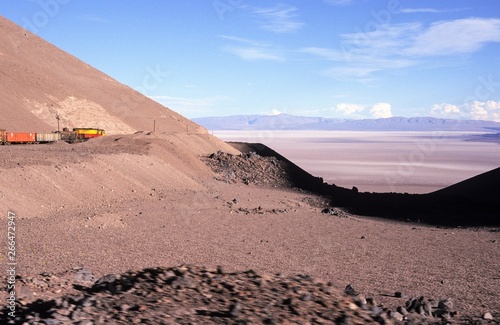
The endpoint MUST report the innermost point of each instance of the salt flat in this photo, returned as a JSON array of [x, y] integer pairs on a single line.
[[413, 162]]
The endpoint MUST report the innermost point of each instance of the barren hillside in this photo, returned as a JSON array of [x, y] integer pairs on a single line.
[[38, 81]]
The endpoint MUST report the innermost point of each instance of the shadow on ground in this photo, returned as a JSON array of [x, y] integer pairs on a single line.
[[473, 202]]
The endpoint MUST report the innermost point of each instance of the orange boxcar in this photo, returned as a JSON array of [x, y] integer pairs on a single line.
[[21, 137]]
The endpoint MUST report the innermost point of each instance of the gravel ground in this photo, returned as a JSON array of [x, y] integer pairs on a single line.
[[196, 295], [157, 219]]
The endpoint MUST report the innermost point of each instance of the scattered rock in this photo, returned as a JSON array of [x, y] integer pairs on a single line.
[[84, 275], [349, 290], [335, 212], [488, 316], [445, 306], [399, 294], [196, 295]]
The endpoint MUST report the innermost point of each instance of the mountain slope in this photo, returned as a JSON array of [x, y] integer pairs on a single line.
[[39, 81]]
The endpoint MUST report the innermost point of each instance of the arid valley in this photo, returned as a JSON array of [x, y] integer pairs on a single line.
[[161, 222]]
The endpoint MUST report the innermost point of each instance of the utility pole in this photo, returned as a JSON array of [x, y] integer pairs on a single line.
[[57, 118]]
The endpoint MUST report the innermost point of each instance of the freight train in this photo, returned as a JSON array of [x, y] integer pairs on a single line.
[[77, 135]]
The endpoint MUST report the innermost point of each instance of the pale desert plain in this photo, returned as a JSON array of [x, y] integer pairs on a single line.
[[381, 161]]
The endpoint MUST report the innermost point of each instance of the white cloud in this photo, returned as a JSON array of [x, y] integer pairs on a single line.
[[418, 10], [360, 55], [253, 53], [359, 111], [456, 36], [359, 73], [381, 47], [428, 10], [348, 109], [328, 54], [338, 2], [274, 112], [251, 50], [381, 110], [243, 40], [475, 110], [279, 19], [445, 109]]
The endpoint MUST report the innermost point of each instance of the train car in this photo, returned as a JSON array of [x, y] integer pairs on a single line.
[[68, 136], [17, 137], [3, 136], [7, 137], [47, 137], [77, 135]]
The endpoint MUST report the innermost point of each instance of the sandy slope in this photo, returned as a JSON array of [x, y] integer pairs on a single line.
[[39, 81], [41, 179]]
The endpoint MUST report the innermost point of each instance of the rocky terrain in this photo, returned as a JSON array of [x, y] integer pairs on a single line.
[[250, 168], [79, 290], [197, 295]]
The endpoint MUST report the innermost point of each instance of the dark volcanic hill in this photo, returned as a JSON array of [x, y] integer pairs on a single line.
[[38, 81]]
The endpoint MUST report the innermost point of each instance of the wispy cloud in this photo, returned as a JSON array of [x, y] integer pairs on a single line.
[[360, 55], [418, 10], [278, 19], [428, 10], [397, 46], [251, 50], [457, 36], [253, 53], [338, 2], [328, 54]]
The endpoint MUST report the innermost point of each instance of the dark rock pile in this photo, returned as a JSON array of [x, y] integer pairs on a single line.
[[196, 295], [335, 212], [249, 168]]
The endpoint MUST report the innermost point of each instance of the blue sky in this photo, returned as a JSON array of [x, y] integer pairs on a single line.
[[331, 58]]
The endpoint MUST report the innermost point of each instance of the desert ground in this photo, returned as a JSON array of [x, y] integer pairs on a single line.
[[413, 162], [141, 216]]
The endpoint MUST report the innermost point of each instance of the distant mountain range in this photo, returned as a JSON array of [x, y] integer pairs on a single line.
[[292, 122]]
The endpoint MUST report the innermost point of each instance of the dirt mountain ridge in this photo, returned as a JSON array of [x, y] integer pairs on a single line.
[[40, 81]]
